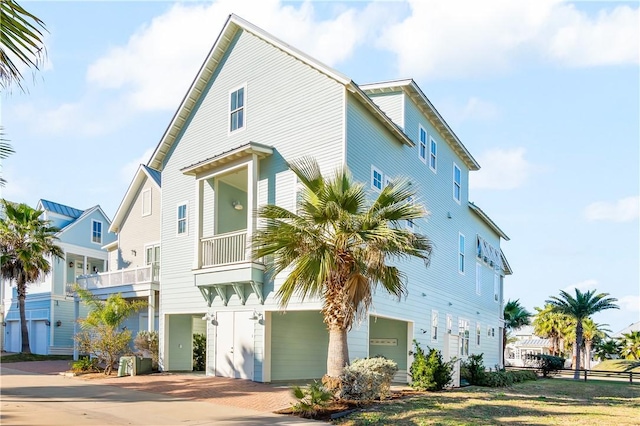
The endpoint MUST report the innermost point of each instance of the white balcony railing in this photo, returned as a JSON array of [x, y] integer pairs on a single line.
[[224, 249], [141, 275]]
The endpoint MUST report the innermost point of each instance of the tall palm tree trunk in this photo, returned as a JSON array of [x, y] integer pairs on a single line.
[[338, 353], [578, 344], [24, 331], [587, 355]]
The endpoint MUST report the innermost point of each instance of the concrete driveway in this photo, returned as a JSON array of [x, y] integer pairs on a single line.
[[47, 398]]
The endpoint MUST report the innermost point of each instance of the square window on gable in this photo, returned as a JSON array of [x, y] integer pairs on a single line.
[[236, 109], [422, 144]]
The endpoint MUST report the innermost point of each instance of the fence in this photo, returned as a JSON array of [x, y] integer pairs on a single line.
[[593, 374]]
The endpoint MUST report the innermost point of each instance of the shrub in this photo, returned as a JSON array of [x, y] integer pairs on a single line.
[[310, 399], [472, 369], [546, 364], [495, 379], [85, 365], [146, 342], [367, 379], [429, 372], [199, 352]]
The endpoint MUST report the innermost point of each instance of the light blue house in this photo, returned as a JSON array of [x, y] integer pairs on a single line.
[[256, 103], [49, 306]]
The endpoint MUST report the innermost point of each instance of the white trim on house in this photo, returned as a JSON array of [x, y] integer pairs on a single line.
[[461, 253], [433, 154], [129, 197], [434, 325], [457, 184]]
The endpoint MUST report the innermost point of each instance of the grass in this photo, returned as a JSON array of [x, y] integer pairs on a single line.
[[541, 402], [619, 365], [32, 357]]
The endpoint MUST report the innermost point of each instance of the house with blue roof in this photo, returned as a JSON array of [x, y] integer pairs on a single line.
[[49, 304]]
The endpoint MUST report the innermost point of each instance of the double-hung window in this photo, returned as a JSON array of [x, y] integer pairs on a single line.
[[236, 109], [463, 332], [182, 219], [478, 333], [96, 231], [457, 183], [496, 288], [433, 154], [461, 253], [422, 144]]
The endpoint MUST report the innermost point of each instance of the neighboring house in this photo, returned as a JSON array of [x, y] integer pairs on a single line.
[[631, 327], [134, 257], [525, 343], [49, 311], [255, 104]]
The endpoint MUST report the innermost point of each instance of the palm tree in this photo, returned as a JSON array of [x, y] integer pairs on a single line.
[[338, 246], [5, 151], [515, 316], [630, 343], [553, 326], [21, 40], [580, 307], [25, 243], [591, 332], [607, 349]]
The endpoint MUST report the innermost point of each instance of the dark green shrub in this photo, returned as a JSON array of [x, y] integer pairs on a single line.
[[199, 352], [85, 365], [472, 369], [495, 379], [367, 379], [310, 399], [546, 364], [429, 371]]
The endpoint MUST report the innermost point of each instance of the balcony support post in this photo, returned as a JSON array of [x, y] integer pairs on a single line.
[[252, 201], [197, 258], [151, 311], [76, 315]]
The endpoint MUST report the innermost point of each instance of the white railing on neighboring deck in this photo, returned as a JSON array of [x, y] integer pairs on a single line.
[[140, 275], [224, 249]]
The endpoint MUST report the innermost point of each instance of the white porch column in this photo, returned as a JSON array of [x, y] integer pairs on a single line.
[[76, 315], [252, 200], [84, 266], [151, 311], [197, 257]]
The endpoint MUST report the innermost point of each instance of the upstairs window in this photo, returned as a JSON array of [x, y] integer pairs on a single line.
[[449, 324], [463, 332], [461, 253], [478, 333], [96, 231], [182, 219], [236, 109], [457, 183], [433, 154], [146, 202], [376, 178], [422, 144], [152, 255]]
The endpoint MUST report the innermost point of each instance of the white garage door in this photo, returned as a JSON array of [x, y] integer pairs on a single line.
[[234, 345], [13, 340], [38, 337]]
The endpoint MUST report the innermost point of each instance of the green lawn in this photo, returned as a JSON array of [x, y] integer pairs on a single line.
[[619, 365], [542, 402], [32, 357]]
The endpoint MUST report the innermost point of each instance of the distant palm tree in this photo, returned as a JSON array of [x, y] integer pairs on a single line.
[[25, 243], [581, 307], [607, 349], [630, 345], [337, 246], [591, 332], [515, 316], [553, 326], [21, 40]]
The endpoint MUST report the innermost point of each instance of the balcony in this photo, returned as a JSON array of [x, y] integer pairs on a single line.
[[130, 280], [224, 249]]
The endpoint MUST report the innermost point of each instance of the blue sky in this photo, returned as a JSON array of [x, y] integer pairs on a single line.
[[545, 95]]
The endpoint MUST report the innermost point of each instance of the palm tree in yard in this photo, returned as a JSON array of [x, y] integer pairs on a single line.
[[515, 316], [607, 349], [337, 247], [553, 326], [591, 333], [630, 345], [579, 308], [25, 243]]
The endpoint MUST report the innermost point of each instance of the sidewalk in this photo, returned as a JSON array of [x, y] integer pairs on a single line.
[[33, 393]]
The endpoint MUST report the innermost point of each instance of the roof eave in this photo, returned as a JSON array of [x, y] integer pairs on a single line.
[[137, 180], [488, 221]]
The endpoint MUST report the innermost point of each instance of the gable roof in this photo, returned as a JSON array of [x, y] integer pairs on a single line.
[[485, 217], [411, 89], [60, 209], [232, 26], [142, 173], [84, 214]]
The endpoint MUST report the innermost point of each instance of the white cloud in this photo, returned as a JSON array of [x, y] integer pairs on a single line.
[[623, 210], [461, 38], [128, 170], [161, 59], [583, 286], [501, 169], [630, 303]]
